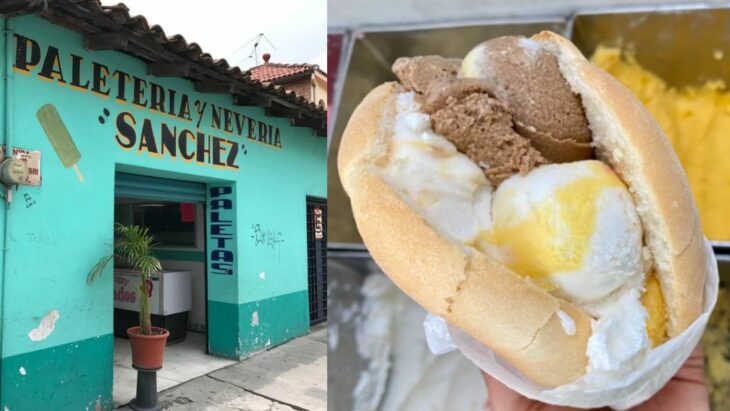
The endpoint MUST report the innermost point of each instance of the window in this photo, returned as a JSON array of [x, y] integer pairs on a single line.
[[171, 224]]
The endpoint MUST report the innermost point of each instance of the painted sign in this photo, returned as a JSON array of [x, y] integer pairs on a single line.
[[222, 148], [59, 137], [32, 160], [222, 239]]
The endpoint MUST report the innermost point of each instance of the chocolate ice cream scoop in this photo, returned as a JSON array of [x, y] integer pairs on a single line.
[[438, 92], [415, 73], [526, 78], [480, 127]]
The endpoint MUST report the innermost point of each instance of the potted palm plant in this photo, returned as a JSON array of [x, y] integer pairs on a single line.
[[134, 247]]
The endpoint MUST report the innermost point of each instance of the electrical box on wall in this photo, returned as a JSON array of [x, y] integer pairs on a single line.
[[13, 171], [23, 168]]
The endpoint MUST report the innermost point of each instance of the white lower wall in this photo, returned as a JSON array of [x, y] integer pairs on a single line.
[[196, 318]]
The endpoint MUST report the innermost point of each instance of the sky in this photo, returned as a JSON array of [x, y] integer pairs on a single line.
[[296, 28]]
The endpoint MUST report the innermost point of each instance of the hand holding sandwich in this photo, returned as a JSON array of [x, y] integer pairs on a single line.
[[685, 392]]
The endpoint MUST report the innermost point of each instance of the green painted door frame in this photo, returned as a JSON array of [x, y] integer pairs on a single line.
[[220, 251]]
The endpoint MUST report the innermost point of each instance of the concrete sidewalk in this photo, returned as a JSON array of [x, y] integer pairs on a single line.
[[292, 376]]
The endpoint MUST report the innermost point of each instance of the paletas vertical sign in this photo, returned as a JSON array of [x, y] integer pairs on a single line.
[[221, 229]]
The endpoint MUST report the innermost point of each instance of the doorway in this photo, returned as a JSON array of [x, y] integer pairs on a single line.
[[174, 213], [317, 259]]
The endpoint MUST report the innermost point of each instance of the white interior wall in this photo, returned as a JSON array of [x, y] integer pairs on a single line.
[[196, 317]]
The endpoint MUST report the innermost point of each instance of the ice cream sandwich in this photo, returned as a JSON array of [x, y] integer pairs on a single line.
[[530, 200]]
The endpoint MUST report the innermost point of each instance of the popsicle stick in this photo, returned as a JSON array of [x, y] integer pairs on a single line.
[[78, 173]]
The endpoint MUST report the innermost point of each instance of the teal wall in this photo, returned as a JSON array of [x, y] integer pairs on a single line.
[[3, 69], [59, 230]]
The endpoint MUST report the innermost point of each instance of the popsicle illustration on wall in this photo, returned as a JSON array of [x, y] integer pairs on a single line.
[[59, 137]]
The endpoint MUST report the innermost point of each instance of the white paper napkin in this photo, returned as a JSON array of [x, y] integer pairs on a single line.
[[593, 389]]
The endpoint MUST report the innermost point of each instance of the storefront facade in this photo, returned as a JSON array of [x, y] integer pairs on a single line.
[[258, 171]]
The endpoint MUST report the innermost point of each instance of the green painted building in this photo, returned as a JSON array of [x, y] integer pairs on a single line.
[[151, 118]]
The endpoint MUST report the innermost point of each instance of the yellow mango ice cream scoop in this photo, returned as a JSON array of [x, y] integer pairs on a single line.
[[570, 227], [573, 229]]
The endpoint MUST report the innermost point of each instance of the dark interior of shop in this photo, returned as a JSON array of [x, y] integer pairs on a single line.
[[177, 295]]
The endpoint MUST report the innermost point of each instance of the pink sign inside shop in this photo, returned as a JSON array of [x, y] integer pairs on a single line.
[[126, 291]]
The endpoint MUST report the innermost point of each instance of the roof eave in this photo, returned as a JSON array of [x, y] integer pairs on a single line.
[[152, 46]]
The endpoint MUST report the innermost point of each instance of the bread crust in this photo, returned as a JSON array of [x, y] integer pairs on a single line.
[[628, 138], [515, 318]]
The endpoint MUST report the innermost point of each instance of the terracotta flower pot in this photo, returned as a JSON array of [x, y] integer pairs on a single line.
[[147, 350]]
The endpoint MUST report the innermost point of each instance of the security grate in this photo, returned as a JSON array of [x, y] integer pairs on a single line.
[[317, 259]]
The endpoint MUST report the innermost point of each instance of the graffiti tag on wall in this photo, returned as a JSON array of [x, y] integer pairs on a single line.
[[29, 202], [268, 238]]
